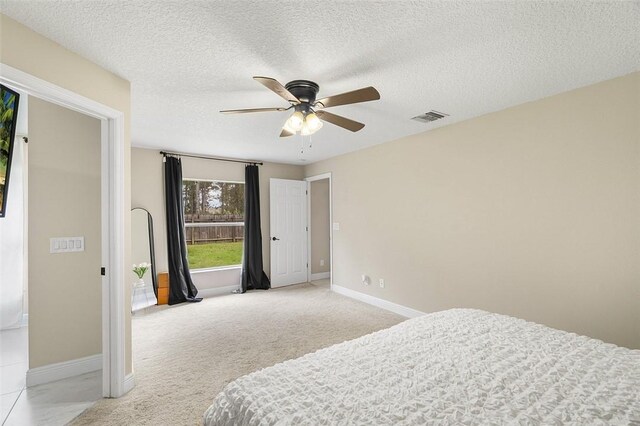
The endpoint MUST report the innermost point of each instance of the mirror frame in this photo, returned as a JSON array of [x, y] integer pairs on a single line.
[[152, 249]]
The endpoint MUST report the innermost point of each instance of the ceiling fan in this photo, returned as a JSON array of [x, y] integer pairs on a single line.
[[308, 112]]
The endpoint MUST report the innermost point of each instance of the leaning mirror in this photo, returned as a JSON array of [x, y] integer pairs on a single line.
[[144, 287]]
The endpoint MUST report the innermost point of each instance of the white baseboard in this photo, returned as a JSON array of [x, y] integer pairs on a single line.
[[320, 276], [129, 382], [380, 303], [63, 370], [218, 291]]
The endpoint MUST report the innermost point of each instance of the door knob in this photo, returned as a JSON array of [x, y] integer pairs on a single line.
[[275, 239]]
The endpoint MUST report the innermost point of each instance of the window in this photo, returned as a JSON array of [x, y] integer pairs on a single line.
[[213, 222]]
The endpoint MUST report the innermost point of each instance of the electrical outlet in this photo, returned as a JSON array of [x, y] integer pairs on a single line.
[[381, 282], [321, 262]]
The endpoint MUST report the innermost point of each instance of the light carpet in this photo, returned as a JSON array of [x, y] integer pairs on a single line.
[[185, 354]]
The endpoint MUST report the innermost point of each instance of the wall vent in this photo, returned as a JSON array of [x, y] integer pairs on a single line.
[[430, 116]]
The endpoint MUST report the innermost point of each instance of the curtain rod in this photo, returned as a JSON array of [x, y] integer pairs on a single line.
[[206, 157]]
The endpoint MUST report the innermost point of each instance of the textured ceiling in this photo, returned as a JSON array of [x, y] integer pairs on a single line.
[[186, 60]]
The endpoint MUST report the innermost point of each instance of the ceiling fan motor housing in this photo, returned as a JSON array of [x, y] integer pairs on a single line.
[[304, 90]]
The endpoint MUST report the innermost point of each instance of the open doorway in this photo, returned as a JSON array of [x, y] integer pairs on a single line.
[[319, 220], [109, 362], [113, 203], [60, 369]]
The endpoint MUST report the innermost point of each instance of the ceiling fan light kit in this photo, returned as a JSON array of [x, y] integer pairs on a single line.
[[309, 113], [305, 124], [312, 123], [295, 122]]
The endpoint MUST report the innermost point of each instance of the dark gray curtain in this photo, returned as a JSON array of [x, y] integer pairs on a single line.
[[181, 288], [253, 276]]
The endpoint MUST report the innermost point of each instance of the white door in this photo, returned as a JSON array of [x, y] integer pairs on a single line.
[[288, 232]]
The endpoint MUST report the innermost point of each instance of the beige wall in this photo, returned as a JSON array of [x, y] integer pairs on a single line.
[[320, 226], [533, 211], [147, 190], [28, 51], [64, 201]]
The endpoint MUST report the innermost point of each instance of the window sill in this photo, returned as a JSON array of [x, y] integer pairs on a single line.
[[219, 268]]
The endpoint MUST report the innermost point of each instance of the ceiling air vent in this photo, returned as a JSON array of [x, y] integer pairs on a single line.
[[430, 116]]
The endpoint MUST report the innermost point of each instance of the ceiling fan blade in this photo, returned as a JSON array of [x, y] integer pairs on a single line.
[[339, 120], [361, 95], [244, 111], [275, 86], [285, 133]]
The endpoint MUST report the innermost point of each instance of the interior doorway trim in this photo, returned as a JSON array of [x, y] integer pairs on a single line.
[[309, 180], [113, 217]]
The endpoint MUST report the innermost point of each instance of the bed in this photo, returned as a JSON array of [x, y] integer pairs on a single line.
[[461, 366]]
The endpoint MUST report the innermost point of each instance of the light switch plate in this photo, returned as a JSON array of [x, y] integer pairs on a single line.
[[336, 226], [66, 244]]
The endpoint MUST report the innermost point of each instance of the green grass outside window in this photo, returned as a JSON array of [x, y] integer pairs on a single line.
[[214, 255]]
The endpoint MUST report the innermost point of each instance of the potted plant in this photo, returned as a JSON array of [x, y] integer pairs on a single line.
[[140, 270]]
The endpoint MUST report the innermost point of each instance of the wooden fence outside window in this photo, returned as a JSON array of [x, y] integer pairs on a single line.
[[203, 229]]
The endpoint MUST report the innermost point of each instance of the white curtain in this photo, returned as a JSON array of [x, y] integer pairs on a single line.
[[12, 276]]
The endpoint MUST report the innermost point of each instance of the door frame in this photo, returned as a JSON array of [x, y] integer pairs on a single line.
[[114, 382], [309, 180]]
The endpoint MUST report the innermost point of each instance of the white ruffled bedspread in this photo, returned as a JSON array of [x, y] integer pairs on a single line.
[[461, 366]]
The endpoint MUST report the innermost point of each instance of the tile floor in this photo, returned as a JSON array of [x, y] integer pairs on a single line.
[[14, 361], [54, 403]]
